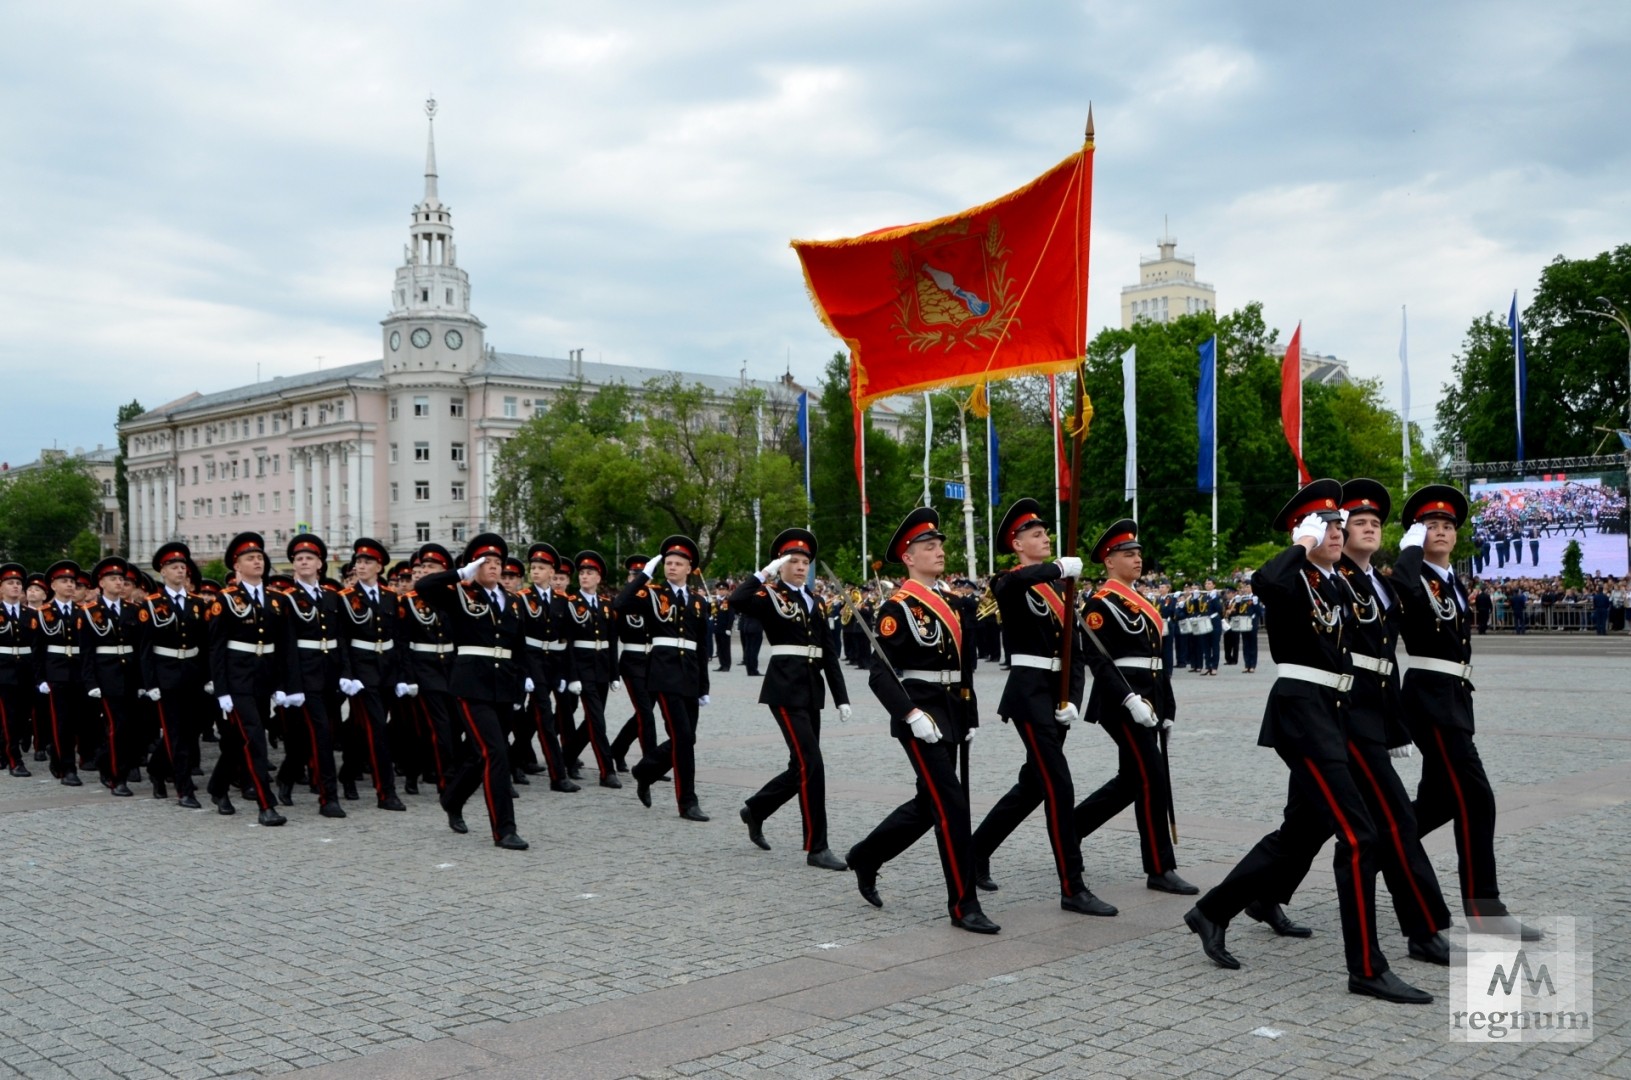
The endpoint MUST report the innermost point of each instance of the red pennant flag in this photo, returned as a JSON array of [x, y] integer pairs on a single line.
[[1291, 400], [993, 292]]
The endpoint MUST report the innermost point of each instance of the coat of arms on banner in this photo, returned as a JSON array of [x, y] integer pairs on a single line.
[[954, 287]]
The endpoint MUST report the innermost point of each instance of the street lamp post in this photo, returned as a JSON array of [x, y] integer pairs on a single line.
[[1616, 315]]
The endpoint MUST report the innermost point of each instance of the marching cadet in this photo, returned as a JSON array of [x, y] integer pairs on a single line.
[[923, 675], [315, 672], [1167, 605], [1034, 623], [56, 663], [1303, 723], [251, 670], [173, 630], [1245, 615], [538, 661], [1231, 637], [566, 702], [1437, 699], [676, 671], [369, 669], [723, 619], [427, 663], [110, 674], [1132, 699], [585, 625], [487, 681], [800, 656], [18, 625], [633, 642]]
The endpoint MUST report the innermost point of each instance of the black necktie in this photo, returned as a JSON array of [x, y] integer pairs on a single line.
[[496, 602]]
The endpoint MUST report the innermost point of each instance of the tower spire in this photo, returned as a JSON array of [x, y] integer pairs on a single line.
[[431, 197]]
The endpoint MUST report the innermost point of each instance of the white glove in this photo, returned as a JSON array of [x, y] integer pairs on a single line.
[[616, 687], [1400, 751], [773, 568], [1166, 725], [413, 689], [468, 573], [1066, 716], [209, 687], [1413, 536], [1311, 527], [1344, 514], [279, 699], [1143, 715], [1069, 566], [349, 687], [526, 684], [576, 687], [94, 692], [703, 700], [401, 689], [923, 726], [561, 689], [844, 712], [973, 731], [654, 568], [44, 688], [294, 701], [225, 701], [153, 694]]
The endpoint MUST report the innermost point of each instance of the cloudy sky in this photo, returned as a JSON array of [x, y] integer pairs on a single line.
[[198, 191]]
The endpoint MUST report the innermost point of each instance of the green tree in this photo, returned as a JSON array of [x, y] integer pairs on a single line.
[[892, 483], [44, 509], [1573, 577], [121, 481]]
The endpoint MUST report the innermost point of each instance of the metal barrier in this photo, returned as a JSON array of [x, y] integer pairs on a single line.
[[1539, 616]]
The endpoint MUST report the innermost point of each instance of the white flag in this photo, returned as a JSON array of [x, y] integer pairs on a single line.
[[1129, 382], [1404, 382]]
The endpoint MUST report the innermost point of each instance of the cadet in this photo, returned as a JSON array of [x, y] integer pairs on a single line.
[[585, 625], [314, 619], [633, 642], [111, 675], [427, 663], [174, 626], [369, 668], [538, 660], [56, 662], [18, 625]]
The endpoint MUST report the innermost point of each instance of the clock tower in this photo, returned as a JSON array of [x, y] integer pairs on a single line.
[[430, 327]]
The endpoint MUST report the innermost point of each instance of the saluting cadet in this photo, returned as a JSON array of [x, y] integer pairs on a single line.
[[566, 702], [800, 656], [249, 634], [369, 669], [1303, 723], [1437, 700], [173, 630], [1034, 623], [676, 668], [633, 643], [584, 623], [107, 647], [518, 724], [538, 659], [315, 672], [1132, 700], [18, 625], [487, 682], [56, 664], [924, 678], [427, 663]]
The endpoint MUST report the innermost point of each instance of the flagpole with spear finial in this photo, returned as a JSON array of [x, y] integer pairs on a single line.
[[1080, 417]]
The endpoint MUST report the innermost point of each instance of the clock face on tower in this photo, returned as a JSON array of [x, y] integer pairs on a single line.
[[454, 339], [396, 340], [420, 338]]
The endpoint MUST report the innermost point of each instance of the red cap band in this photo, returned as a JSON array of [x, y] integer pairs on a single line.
[[484, 551], [1021, 525]]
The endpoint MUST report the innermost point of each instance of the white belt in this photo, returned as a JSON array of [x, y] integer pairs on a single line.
[[1443, 667], [1141, 663], [945, 676], [1383, 668], [114, 650], [174, 654], [535, 643], [1319, 676], [807, 652], [683, 644], [18, 650], [62, 650], [626, 647], [596, 645], [1045, 663], [373, 646], [323, 644], [425, 646], [252, 647], [498, 653], [556, 646]]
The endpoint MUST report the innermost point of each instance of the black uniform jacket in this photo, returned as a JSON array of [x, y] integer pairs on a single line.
[[1372, 631], [171, 647], [487, 665], [632, 629], [427, 648], [17, 664], [669, 669], [1434, 626], [1032, 605], [369, 631], [591, 638], [920, 629], [314, 640], [793, 681], [263, 634], [107, 648], [56, 645], [1305, 624], [537, 636], [1129, 627]]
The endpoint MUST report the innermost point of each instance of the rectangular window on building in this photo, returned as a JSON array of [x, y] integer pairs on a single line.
[[209, 470], [277, 464], [421, 405], [511, 408], [261, 503], [277, 500], [395, 491], [234, 427], [421, 451], [339, 411], [107, 522], [421, 491], [458, 451], [421, 531], [396, 534], [392, 409], [455, 406], [305, 415], [260, 425], [458, 493], [458, 532], [107, 489], [393, 454], [277, 423]]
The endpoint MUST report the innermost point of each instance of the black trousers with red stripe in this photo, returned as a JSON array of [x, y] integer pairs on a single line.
[[15, 702], [175, 754], [543, 720], [1139, 782], [805, 775], [243, 751], [592, 732], [641, 725], [439, 747], [677, 752], [61, 712], [939, 805], [1322, 800], [310, 745], [1044, 780], [1454, 787], [120, 748], [485, 765], [367, 742]]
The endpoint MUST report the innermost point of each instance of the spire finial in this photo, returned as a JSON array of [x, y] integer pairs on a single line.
[[430, 152]]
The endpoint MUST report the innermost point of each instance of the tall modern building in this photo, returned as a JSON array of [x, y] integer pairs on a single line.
[[402, 448], [1166, 287]]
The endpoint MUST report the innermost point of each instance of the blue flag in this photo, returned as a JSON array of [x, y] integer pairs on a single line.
[[1518, 368], [804, 439], [991, 462], [1206, 416]]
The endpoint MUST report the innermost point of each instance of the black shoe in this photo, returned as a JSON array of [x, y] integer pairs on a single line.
[[1388, 987], [518, 777], [349, 789], [1211, 935], [825, 860], [1085, 903], [511, 842], [18, 770], [189, 802], [534, 769], [1274, 916], [331, 809], [285, 794], [753, 674], [1434, 949], [566, 785], [270, 817], [224, 807], [1504, 925], [984, 881], [693, 813], [975, 922], [41, 755], [756, 831], [643, 792], [622, 766], [72, 780], [455, 819], [610, 780], [866, 880], [391, 802], [159, 790], [135, 776], [122, 790], [410, 786], [1170, 882]]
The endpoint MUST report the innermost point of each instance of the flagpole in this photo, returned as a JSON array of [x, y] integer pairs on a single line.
[[991, 497], [1404, 391], [1053, 412], [1217, 373], [1073, 479]]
